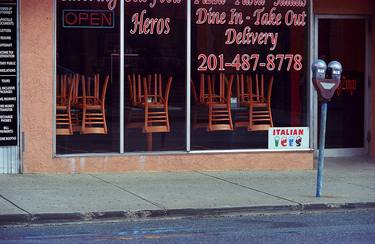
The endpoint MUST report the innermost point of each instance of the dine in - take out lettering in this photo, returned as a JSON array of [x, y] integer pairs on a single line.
[[259, 17]]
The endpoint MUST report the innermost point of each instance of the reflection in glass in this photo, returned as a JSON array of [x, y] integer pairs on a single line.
[[346, 111], [87, 82], [249, 72], [155, 71]]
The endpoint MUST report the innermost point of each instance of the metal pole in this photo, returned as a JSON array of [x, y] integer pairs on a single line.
[[322, 141]]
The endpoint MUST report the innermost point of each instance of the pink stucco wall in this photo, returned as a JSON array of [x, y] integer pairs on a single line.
[[37, 121]]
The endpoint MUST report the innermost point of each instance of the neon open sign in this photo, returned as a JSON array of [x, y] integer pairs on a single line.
[[88, 19]]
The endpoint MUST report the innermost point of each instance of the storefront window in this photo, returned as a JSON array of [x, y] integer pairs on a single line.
[[87, 82], [155, 75], [249, 71], [248, 74]]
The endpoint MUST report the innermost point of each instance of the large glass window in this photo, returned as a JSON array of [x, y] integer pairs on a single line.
[[248, 74], [155, 76], [249, 71], [87, 82]]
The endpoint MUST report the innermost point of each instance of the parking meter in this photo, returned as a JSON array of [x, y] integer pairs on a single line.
[[326, 86], [319, 68], [335, 70], [325, 81]]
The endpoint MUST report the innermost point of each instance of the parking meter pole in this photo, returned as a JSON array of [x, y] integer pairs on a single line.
[[322, 140]]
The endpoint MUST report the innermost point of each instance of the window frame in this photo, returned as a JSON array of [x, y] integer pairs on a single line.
[[309, 105]]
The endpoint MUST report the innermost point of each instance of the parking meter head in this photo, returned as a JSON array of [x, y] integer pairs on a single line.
[[326, 87], [335, 70], [319, 68]]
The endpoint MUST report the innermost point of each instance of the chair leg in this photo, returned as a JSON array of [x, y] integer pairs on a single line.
[[250, 125]]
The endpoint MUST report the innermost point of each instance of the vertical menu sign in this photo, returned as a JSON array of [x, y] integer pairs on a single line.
[[8, 73]]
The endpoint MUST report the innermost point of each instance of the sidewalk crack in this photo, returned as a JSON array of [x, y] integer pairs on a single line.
[[247, 187], [132, 193], [12, 203]]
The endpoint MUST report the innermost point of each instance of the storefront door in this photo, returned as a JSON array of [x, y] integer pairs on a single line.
[[345, 39]]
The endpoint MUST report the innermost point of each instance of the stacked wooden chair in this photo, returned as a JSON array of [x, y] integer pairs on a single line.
[[147, 92], [81, 110], [255, 92], [63, 105], [215, 91], [93, 106]]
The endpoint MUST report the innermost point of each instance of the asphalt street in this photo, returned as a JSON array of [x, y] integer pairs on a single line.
[[312, 227]]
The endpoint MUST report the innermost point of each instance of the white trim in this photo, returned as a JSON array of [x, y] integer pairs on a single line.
[[54, 73], [122, 77], [310, 87], [188, 77], [20, 137]]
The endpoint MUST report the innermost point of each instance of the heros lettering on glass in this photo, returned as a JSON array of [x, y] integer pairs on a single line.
[[143, 24], [146, 26], [88, 18]]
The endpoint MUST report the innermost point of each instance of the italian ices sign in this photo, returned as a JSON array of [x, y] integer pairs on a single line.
[[280, 138]]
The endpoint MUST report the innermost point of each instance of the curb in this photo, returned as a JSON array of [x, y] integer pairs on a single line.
[[16, 219]]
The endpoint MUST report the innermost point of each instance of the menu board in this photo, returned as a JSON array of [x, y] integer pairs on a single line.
[[8, 73]]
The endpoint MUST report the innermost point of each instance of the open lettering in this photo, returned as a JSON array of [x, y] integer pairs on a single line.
[[75, 18]]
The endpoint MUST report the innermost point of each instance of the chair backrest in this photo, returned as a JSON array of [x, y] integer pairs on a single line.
[[61, 89], [257, 88], [242, 86], [75, 96], [86, 88], [224, 92], [104, 90], [153, 88], [135, 89], [71, 82], [167, 90], [194, 92]]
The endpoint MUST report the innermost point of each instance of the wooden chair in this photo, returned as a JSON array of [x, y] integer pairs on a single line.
[[156, 104], [63, 106], [260, 114], [93, 109], [218, 101]]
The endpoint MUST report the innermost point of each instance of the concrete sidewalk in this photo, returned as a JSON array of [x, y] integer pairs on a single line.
[[348, 183]]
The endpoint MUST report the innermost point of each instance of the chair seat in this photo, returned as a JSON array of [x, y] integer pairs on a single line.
[[256, 104], [61, 107]]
